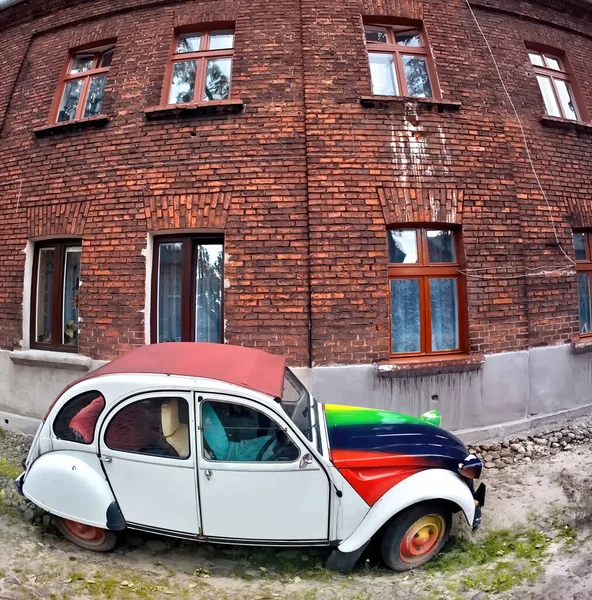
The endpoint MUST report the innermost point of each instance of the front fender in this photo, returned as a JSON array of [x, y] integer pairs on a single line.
[[431, 484], [72, 485]]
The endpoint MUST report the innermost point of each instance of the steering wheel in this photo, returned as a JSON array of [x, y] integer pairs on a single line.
[[267, 444]]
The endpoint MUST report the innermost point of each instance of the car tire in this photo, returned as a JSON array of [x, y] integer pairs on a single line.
[[416, 535], [86, 536]]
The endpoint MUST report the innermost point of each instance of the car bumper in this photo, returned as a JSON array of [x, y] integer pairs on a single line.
[[479, 497]]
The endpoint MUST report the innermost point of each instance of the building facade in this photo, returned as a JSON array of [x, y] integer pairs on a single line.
[[396, 195]]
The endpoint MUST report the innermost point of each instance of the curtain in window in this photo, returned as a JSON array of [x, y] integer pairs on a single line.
[[208, 290], [170, 268], [405, 317], [444, 309], [71, 283]]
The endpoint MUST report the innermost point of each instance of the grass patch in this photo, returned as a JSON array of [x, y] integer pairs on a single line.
[[9, 468]]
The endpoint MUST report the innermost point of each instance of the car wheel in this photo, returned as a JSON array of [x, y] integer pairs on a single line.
[[86, 536], [416, 535]]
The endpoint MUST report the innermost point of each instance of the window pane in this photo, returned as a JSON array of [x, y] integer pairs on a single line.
[[408, 38], [220, 40], [69, 103], [553, 63], [536, 59], [82, 62], [444, 309], [158, 427], [170, 267], [183, 82], [579, 241], [566, 99], [376, 36], [382, 72], [70, 295], [106, 59], [441, 246], [405, 318], [77, 419], [584, 302], [188, 43], [217, 79], [44, 295], [402, 245], [237, 433], [548, 96], [95, 96], [208, 293], [416, 75]]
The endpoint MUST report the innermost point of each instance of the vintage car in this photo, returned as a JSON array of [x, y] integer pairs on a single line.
[[224, 444]]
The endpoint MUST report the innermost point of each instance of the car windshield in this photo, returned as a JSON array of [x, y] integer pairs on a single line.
[[295, 401]]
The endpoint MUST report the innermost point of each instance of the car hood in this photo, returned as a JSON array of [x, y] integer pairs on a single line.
[[366, 437]]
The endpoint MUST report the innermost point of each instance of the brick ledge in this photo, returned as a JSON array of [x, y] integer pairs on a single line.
[[428, 103], [581, 345], [406, 367], [212, 107], [560, 123], [67, 126]]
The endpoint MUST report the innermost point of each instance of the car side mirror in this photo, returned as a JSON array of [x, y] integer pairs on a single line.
[[305, 460], [432, 417]]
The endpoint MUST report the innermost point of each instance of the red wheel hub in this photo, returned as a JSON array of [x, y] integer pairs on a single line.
[[88, 533], [422, 539]]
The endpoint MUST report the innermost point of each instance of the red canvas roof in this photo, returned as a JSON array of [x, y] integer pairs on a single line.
[[253, 369]]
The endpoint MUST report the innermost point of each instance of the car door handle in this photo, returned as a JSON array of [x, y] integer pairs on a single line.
[[208, 474], [106, 459]]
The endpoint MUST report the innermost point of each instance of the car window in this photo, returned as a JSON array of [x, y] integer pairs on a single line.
[[153, 426], [77, 419], [237, 433]]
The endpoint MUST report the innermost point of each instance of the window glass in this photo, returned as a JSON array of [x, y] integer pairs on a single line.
[[217, 79], [44, 310], [408, 38], [70, 296], [77, 419], [405, 315], [382, 73], [566, 99], [69, 104], [553, 63], [82, 62], [95, 95], [208, 293], [441, 246], [536, 59], [444, 312], [579, 240], [188, 43], [584, 302], [378, 36], [106, 59], [170, 272], [237, 433], [548, 96], [155, 426], [183, 83], [221, 40], [402, 245], [416, 75]]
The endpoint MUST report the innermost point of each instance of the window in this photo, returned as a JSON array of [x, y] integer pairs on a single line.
[[556, 85], [77, 419], [425, 292], [83, 85], [187, 289], [199, 67], [56, 278], [400, 61], [238, 433], [582, 246], [155, 426]]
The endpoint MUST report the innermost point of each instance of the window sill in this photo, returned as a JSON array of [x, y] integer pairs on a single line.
[[201, 109], [561, 123], [428, 103], [431, 365], [67, 126], [581, 345], [47, 358]]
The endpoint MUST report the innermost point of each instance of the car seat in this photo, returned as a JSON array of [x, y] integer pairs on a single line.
[[175, 432], [84, 421]]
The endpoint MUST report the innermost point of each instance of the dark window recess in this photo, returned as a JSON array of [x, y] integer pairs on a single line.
[[583, 246]]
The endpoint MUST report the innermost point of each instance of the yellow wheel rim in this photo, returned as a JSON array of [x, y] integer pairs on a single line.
[[422, 539]]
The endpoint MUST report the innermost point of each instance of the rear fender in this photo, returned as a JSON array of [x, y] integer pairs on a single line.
[[72, 485], [431, 484]]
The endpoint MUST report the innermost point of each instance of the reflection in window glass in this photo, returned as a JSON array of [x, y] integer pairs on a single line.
[[221, 40], [382, 73], [444, 311], [566, 99], [416, 75], [188, 43], [579, 240], [402, 245], [69, 104], [584, 302], [107, 59], [217, 79], [441, 246], [548, 96], [553, 63], [208, 298], [377, 36], [408, 38], [183, 83], [82, 63], [170, 267], [536, 59], [70, 296], [44, 295], [95, 96], [405, 316]]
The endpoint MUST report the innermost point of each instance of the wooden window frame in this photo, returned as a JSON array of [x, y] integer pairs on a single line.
[[566, 74], [188, 283], [98, 50], [423, 271], [201, 57], [585, 266], [392, 48], [60, 247]]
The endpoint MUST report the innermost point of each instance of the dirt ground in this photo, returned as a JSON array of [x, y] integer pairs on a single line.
[[535, 543]]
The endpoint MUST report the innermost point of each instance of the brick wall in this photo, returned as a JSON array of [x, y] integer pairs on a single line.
[[304, 181]]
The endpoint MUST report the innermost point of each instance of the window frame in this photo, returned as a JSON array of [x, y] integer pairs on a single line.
[[392, 48], [98, 49], [188, 282], [201, 57], [565, 74], [423, 271], [584, 266], [57, 308]]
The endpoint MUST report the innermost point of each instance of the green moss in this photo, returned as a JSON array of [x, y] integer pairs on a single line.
[[9, 468]]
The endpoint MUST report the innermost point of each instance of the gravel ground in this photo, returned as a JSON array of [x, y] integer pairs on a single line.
[[535, 543]]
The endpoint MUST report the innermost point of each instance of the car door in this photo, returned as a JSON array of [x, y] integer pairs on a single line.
[[257, 480], [148, 452]]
